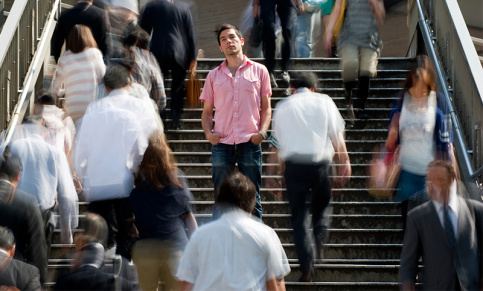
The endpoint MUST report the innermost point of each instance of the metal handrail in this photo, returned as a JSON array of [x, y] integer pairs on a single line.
[[38, 48], [473, 66]]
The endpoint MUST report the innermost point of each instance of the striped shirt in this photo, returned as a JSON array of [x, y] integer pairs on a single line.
[[359, 27], [80, 74]]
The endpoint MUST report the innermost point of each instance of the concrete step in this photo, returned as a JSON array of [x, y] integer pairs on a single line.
[[317, 63], [204, 146], [205, 168], [329, 82], [340, 194], [363, 221], [198, 134], [203, 181], [342, 286], [338, 207], [356, 157]]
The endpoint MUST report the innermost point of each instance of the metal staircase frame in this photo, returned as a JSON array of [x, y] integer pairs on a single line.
[[437, 28], [25, 42]]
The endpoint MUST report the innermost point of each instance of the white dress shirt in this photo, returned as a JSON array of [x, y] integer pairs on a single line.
[[305, 125], [111, 143], [46, 175], [234, 252], [453, 209]]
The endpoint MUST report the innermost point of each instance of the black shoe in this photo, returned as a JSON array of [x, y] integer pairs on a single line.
[[361, 114], [286, 92], [286, 78], [177, 124], [273, 82], [307, 277]]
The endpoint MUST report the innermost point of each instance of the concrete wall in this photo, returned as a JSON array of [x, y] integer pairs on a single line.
[[472, 12]]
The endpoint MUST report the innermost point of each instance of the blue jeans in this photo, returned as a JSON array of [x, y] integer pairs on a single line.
[[249, 159]]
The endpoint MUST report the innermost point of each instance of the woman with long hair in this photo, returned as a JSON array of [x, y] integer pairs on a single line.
[[80, 70], [418, 128], [160, 203]]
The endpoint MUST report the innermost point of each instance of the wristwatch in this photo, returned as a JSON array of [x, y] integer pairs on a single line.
[[264, 134]]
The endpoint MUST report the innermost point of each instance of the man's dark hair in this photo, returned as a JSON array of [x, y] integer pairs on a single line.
[[11, 166], [46, 99], [239, 191], [117, 75], [226, 26], [303, 80], [7, 240], [444, 164], [95, 229]]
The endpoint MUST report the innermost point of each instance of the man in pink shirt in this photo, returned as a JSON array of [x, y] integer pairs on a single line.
[[240, 91]]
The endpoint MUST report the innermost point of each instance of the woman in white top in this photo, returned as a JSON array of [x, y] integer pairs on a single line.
[[418, 128], [80, 69]]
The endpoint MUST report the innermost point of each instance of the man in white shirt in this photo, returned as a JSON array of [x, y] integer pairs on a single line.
[[109, 147], [447, 233], [310, 132], [46, 175], [235, 252]]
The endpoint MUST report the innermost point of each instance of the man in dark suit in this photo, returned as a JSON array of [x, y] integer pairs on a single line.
[[22, 217], [15, 273], [446, 232], [82, 13], [173, 45]]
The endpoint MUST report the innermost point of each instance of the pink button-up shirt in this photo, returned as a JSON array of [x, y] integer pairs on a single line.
[[237, 99]]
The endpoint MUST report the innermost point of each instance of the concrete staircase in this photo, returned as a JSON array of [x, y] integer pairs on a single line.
[[365, 235]]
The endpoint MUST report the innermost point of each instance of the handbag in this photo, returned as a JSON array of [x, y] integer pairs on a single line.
[[193, 91], [383, 172]]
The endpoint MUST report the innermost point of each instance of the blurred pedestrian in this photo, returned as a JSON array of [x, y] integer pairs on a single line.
[[235, 252], [359, 45], [80, 70], [89, 270], [174, 46], [308, 29], [240, 91], [287, 11], [161, 205], [15, 273], [446, 233], [310, 131], [47, 176], [146, 70], [109, 147], [22, 217], [418, 128], [86, 14]]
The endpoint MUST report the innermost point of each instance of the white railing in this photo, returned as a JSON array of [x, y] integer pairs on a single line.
[[24, 40], [437, 28]]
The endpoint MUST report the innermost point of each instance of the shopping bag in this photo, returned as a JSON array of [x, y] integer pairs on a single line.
[[383, 173], [193, 91]]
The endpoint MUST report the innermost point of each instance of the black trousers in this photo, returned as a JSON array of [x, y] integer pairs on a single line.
[[301, 180], [288, 17], [178, 90]]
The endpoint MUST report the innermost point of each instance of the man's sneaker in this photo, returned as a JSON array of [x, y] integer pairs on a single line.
[[286, 78], [273, 82], [362, 114]]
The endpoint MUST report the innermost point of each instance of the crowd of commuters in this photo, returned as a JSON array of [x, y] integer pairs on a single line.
[[108, 147]]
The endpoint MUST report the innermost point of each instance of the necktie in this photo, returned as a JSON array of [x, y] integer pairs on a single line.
[[448, 228]]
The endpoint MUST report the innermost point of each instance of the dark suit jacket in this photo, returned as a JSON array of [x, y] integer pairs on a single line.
[[82, 13], [25, 221], [425, 237], [19, 274], [173, 31]]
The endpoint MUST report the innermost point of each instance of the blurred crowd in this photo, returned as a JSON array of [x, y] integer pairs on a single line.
[[97, 135]]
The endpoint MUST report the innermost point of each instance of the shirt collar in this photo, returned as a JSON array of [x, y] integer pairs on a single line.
[[224, 65], [4, 252], [453, 202], [117, 92], [302, 90]]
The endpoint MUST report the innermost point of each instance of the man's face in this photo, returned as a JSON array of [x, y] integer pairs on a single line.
[[438, 183], [230, 43]]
